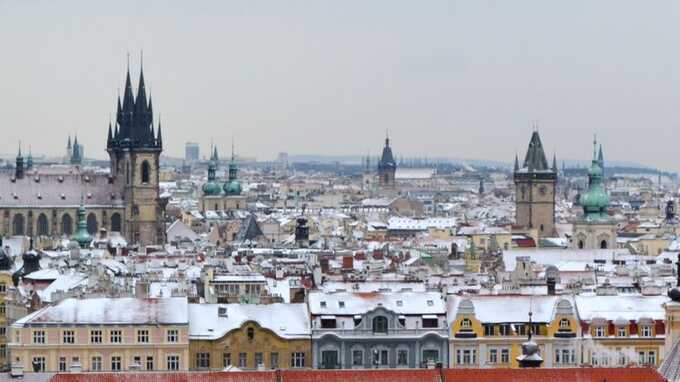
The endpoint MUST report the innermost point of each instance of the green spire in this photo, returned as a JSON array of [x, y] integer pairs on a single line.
[[595, 201], [211, 187], [232, 186], [82, 237]]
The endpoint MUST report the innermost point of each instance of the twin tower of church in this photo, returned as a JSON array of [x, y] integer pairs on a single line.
[[535, 199]]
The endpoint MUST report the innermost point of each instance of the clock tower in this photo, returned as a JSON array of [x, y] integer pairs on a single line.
[[535, 188]]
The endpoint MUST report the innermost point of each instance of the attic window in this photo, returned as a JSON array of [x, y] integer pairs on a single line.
[[62, 196], [89, 195], [40, 196], [323, 304], [430, 303], [15, 196], [400, 303], [341, 304]]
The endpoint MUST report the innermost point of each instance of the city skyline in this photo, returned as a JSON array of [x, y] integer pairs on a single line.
[[321, 79]]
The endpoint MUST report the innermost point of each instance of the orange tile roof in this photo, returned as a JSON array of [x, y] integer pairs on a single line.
[[554, 375], [368, 375]]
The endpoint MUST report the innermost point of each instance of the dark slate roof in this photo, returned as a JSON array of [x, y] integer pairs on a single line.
[[535, 159], [387, 159], [58, 187], [249, 229]]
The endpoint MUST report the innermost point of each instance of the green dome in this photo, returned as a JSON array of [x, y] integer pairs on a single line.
[[595, 201], [211, 188], [232, 187]]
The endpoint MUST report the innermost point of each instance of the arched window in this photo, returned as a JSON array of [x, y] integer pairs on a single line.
[[92, 223], [465, 323], [603, 244], [43, 225], [116, 225], [66, 225], [380, 324], [581, 244], [145, 172], [18, 224], [251, 334]]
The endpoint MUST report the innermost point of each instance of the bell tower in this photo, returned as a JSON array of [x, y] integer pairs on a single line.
[[535, 187], [134, 149]]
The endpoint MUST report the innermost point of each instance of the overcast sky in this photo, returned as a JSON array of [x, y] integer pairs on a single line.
[[447, 78]]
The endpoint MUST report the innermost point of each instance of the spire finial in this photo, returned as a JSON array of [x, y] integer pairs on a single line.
[[233, 152], [595, 146], [141, 59], [128, 61]]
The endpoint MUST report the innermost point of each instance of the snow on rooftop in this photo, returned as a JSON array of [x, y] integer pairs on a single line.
[[347, 303], [508, 308], [286, 320], [627, 307], [122, 311]]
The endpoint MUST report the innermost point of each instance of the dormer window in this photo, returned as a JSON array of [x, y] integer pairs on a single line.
[[645, 331], [323, 304], [341, 304], [380, 324], [251, 334], [564, 324], [400, 303], [466, 324], [62, 196], [430, 303], [599, 331], [621, 331]]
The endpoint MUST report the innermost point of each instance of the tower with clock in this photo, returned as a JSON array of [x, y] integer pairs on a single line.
[[535, 187]]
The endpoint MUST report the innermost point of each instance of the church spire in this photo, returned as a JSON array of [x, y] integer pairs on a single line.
[[554, 165], [516, 163], [159, 138]]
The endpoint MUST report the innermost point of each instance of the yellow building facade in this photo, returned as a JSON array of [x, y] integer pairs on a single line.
[[274, 336]]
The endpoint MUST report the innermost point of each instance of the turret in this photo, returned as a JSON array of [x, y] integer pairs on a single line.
[[19, 170], [82, 237]]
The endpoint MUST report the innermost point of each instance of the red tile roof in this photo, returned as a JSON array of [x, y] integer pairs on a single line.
[[382, 375], [554, 375]]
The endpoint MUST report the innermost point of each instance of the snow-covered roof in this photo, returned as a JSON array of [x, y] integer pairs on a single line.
[[627, 307], [118, 311], [508, 308], [399, 223], [63, 283], [555, 256], [347, 303], [239, 278], [286, 320]]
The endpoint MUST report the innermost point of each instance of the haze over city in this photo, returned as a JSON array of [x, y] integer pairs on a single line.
[[464, 79]]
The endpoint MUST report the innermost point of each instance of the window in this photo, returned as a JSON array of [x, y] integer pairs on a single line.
[[226, 359], [251, 334], [242, 360], [172, 335], [402, 357], [69, 337], [137, 362], [505, 355], [430, 322], [62, 363], [328, 323], [504, 330], [145, 172], [3, 309], [488, 329], [565, 356], [431, 355], [173, 362], [599, 331], [647, 357], [466, 356], [39, 337], [323, 304], [297, 359], [115, 336], [603, 244], [259, 360], [645, 331], [96, 336], [96, 364], [381, 357], [3, 288], [149, 363], [203, 360], [357, 357], [621, 331], [564, 324], [329, 359], [341, 304], [142, 336], [39, 364], [274, 360], [493, 355], [380, 324], [116, 363]]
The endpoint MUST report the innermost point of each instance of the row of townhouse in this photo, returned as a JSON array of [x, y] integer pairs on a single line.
[[338, 330]]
